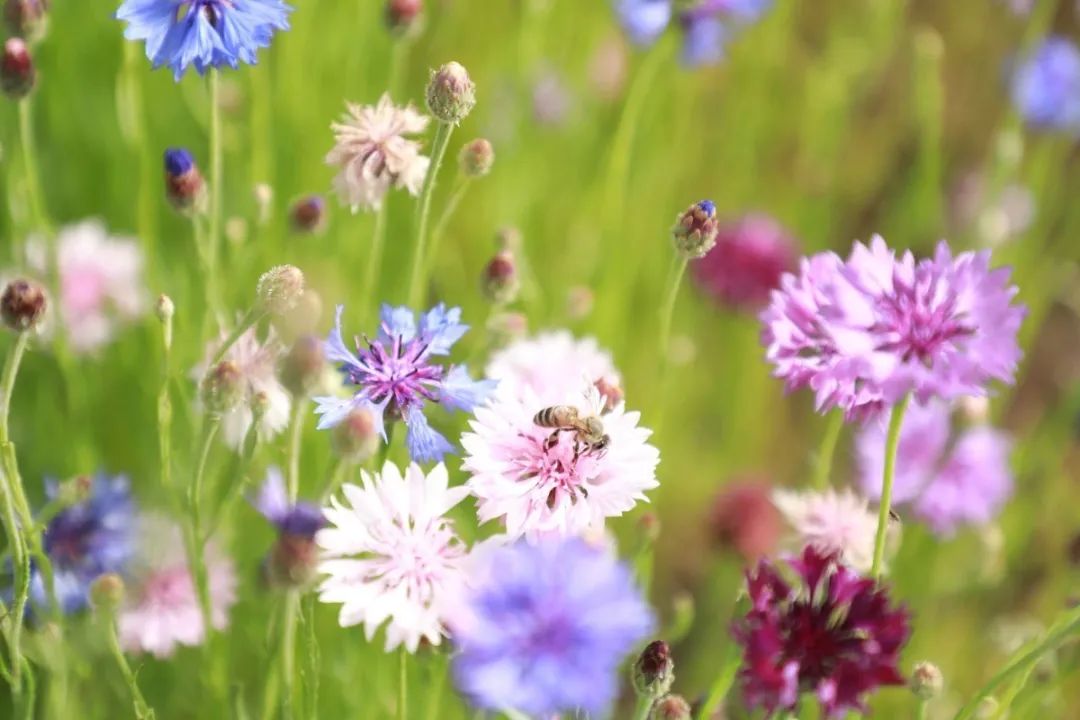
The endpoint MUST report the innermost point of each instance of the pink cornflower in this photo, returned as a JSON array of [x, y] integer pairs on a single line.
[[745, 265], [833, 521], [162, 611], [390, 555], [375, 154], [864, 332], [542, 481], [551, 365]]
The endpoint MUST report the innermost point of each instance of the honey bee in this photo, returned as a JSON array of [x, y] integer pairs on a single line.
[[589, 435]]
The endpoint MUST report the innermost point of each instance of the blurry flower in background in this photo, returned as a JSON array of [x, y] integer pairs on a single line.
[[608, 68], [948, 478], [374, 154], [543, 629], [997, 218], [308, 214], [551, 99], [1046, 86], [745, 265], [397, 376], [706, 25], [101, 282], [835, 635], [202, 33], [551, 365], [744, 519], [292, 560], [835, 522], [389, 553], [539, 480], [26, 19], [162, 610]]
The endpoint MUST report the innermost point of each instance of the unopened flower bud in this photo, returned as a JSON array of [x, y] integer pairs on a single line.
[[184, 186], [23, 305], [236, 230], [356, 437], [451, 94], [926, 680], [654, 670], [308, 214], [222, 387], [508, 238], [74, 491], [670, 707], [649, 525], [403, 15], [164, 308], [695, 230], [476, 158], [26, 18], [264, 201], [107, 592], [292, 561], [500, 281], [610, 390], [303, 365], [506, 327], [17, 72], [280, 288]]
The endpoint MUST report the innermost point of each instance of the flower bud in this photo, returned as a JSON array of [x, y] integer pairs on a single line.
[[17, 72], [579, 302], [649, 525], [23, 305], [164, 308], [744, 519], [695, 230], [500, 281], [476, 158], [302, 319], [264, 201], [184, 186], [308, 214], [26, 18], [451, 94], [236, 230], [303, 365], [506, 327], [403, 15], [975, 409], [107, 592], [356, 437], [280, 288], [654, 670], [926, 680], [292, 561], [508, 238], [222, 387], [670, 707], [74, 491], [610, 391]]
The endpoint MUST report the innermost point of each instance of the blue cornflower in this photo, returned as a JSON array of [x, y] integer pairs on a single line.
[[543, 628], [203, 33], [706, 25], [1046, 86], [396, 374], [299, 519]]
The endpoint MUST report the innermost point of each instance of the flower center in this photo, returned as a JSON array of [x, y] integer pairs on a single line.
[[559, 465], [400, 375], [918, 322]]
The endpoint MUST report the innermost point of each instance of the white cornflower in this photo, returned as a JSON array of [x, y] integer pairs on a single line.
[[831, 521], [551, 365]]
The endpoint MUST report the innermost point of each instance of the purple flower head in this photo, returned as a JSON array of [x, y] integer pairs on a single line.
[[543, 628], [706, 25], [947, 478], [178, 161], [202, 33], [864, 332], [644, 20], [833, 633], [183, 181], [298, 519], [397, 373], [1046, 86], [747, 262]]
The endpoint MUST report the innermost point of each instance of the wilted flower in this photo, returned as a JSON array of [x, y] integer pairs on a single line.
[[162, 610], [745, 265], [391, 555], [202, 33], [744, 518], [374, 153], [540, 480], [833, 634], [1046, 86], [292, 559], [833, 522], [543, 629], [23, 305], [551, 365], [948, 478], [397, 375], [706, 25], [17, 72]]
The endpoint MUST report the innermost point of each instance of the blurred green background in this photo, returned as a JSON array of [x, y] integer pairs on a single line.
[[841, 118]]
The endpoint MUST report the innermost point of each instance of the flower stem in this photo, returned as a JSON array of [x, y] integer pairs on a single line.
[[722, 684], [143, 711], [644, 705], [292, 480], [196, 560], [920, 710], [216, 174], [33, 184], [892, 442], [823, 462], [371, 272], [423, 211], [253, 316], [403, 684], [667, 310], [456, 195], [22, 581], [288, 650]]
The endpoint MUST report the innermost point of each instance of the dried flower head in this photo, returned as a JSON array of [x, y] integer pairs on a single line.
[[23, 305]]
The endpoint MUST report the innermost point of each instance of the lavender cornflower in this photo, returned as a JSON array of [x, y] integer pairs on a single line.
[[542, 628], [292, 560], [203, 33], [1046, 86], [864, 332], [706, 25], [396, 375]]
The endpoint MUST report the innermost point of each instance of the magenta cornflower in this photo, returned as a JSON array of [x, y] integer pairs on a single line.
[[834, 634], [864, 332], [747, 262]]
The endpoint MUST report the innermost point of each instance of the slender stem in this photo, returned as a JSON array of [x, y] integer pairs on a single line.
[[403, 684], [722, 684], [920, 709], [892, 442], [288, 650], [423, 210], [371, 272], [823, 464], [292, 480], [312, 657], [143, 711], [22, 581], [452, 202], [196, 559], [33, 184], [206, 269], [7, 381], [667, 310], [643, 707], [434, 702], [253, 316], [338, 475], [216, 181]]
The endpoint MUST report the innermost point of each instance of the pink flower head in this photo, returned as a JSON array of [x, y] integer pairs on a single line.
[[864, 332], [551, 365], [162, 609], [833, 521], [541, 480], [747, 262], [947, 478]]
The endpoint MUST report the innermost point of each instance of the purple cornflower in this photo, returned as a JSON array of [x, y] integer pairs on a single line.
[[396, 374], [864, 332], [292, 560], [750, 256], [203, 33], [834, 634], [947, 478], [1046, 86], [706, 25], [543, 628]]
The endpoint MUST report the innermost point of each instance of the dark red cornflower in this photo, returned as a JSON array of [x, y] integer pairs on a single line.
[[835, 635], [744, 519], [746, 263]]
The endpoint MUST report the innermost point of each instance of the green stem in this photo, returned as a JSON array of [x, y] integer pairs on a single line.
[[403, 684], [206, 270], [7, 381], [423, 211], [33, 184], [667, 310], [312, 657], [434, 702], [216, 175], [371, 272], [253, 316], [338, 475], [288, 651], [196, 560], [292, 479], [22, 582], [452, 202], [823, 464], [892, 442], [920, 709], [143, 711], [643, 707], [722, 684]]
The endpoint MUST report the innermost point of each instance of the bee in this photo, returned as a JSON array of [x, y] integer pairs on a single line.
[[589, 435]]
